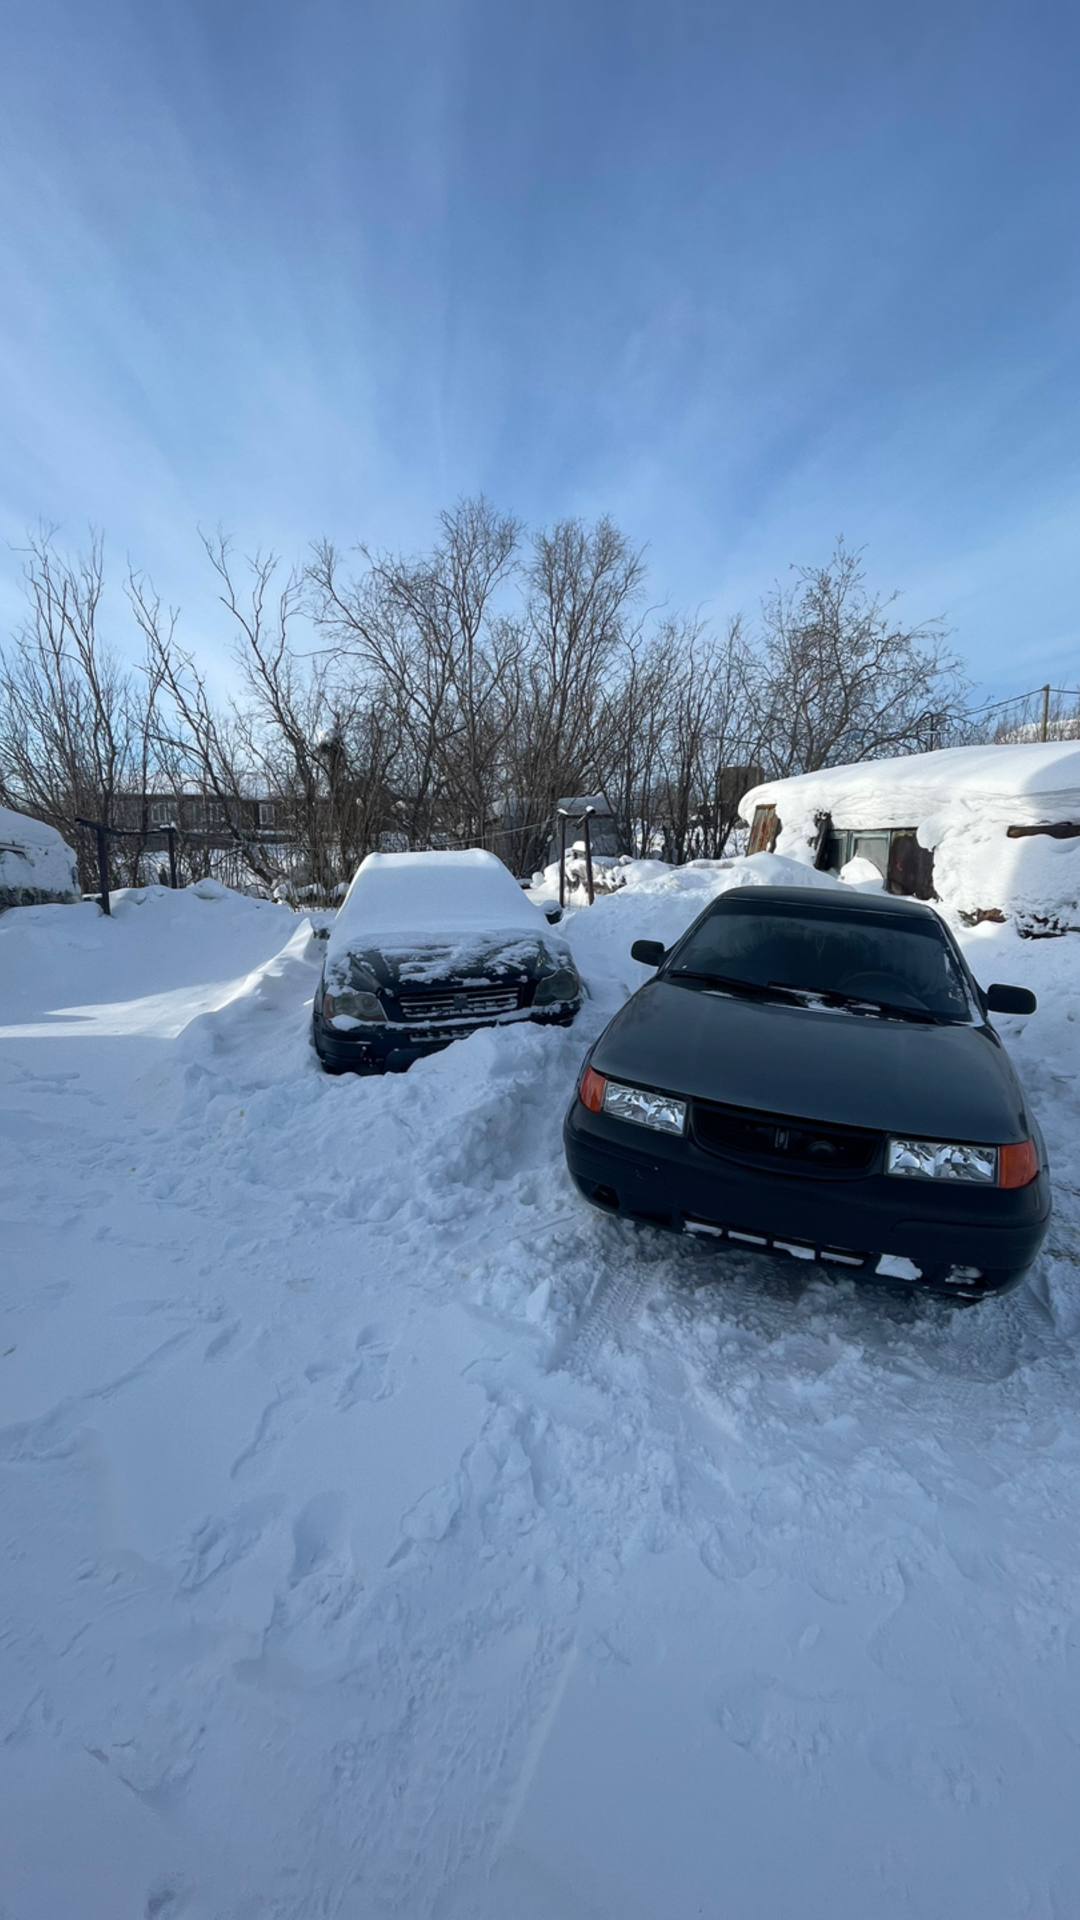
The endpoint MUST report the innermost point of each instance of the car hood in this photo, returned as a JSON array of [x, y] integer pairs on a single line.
[[455, 961], [856, 1070]]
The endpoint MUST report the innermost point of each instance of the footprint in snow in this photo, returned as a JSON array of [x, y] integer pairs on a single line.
[[318, 1533], [368, 1378], [219, 1544]]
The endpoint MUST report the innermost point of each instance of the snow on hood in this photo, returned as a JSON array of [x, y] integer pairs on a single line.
[[404, 902], [34, 858]]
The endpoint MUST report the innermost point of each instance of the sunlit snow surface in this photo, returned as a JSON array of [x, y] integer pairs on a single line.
[[387, 1534]]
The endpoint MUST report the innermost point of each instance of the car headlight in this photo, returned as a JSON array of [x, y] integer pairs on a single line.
[[941, 1160], [555, 987], [661, 1111], [346, 1006]]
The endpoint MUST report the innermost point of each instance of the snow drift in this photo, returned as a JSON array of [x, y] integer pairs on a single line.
[[388, 1534]]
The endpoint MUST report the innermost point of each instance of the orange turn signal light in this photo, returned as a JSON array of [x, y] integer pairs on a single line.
[[1018, 1166], [592, 1090]]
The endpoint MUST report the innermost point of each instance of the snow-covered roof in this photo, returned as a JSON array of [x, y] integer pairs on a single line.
[[401, 898], [1043, 774], [961, 803], [34, 858], [582, 802]]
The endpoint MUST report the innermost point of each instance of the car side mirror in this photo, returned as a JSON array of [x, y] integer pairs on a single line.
[[1001, 999], [651, 953], [552, 913]]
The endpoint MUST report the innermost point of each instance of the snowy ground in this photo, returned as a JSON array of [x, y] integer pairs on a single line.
[[387, 1534]]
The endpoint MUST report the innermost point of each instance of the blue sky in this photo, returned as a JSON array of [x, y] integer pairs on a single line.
[[745, 277]]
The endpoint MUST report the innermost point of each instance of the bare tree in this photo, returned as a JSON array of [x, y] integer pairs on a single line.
[[425, 636], [455, 697], [714, 741], [582, 586], [75, 725], [844, 680]]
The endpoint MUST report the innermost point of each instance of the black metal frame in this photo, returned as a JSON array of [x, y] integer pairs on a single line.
[[579, 820]]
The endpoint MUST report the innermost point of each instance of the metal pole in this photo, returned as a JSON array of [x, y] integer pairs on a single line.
[[171, 831], [588, 855], [1046, 713], [103, 866], [562, 859]]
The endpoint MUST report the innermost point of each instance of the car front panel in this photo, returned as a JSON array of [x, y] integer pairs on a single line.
[[719, 1176]]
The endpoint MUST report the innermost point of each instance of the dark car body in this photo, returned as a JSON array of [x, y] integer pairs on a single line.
[[790, 1105], [439, 985]]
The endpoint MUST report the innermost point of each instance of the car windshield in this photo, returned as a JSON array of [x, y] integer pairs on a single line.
[[873, 960]]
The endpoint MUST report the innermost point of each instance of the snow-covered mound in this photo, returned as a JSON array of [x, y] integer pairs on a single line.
[[961, 802], [387, 1534], [157, 944], [36, 863]]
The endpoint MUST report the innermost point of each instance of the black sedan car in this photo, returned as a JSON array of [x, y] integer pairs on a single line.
[[812, 1072], [426, 948]]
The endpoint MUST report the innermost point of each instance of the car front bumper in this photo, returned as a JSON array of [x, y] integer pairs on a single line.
[[392, 1049], [922, 1233]]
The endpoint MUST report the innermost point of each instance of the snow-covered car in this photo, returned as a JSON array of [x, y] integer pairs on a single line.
[[426, 948], [813, 1072], [37, 867]]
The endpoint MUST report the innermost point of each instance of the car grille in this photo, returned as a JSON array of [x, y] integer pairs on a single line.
[[787, 1145], [462, 1003]]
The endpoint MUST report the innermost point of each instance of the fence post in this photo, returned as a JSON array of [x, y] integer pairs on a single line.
[[1046, 713], [588, 855], [171, 832], [562, 859], [103, 864]]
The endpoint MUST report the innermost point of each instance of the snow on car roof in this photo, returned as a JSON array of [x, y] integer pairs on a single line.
[[406, 898], [20, 830], [902, 789], [34, 858]]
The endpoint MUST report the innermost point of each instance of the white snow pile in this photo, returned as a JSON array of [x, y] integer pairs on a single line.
[[961, 801], [862, 874], [387, 1534], [434, 911], [36, 864]]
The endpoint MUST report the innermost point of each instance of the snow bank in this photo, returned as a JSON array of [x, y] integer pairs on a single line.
[[862, 874], [393, 1535], [36, 864], [152, 945]]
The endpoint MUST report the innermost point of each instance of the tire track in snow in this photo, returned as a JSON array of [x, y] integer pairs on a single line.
[[616, 1300]]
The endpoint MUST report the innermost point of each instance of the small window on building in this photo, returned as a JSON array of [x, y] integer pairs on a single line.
[[162, 812], [215, 813], [873, 847], [266, 813], [904, 866]]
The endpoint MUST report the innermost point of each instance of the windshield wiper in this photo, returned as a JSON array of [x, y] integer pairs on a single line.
[[727, 983], [858, 1003]]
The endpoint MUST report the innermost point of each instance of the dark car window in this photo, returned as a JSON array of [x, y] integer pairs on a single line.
[[872, 957]]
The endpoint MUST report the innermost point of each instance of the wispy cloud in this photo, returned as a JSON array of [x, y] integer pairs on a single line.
[[745, 283]]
